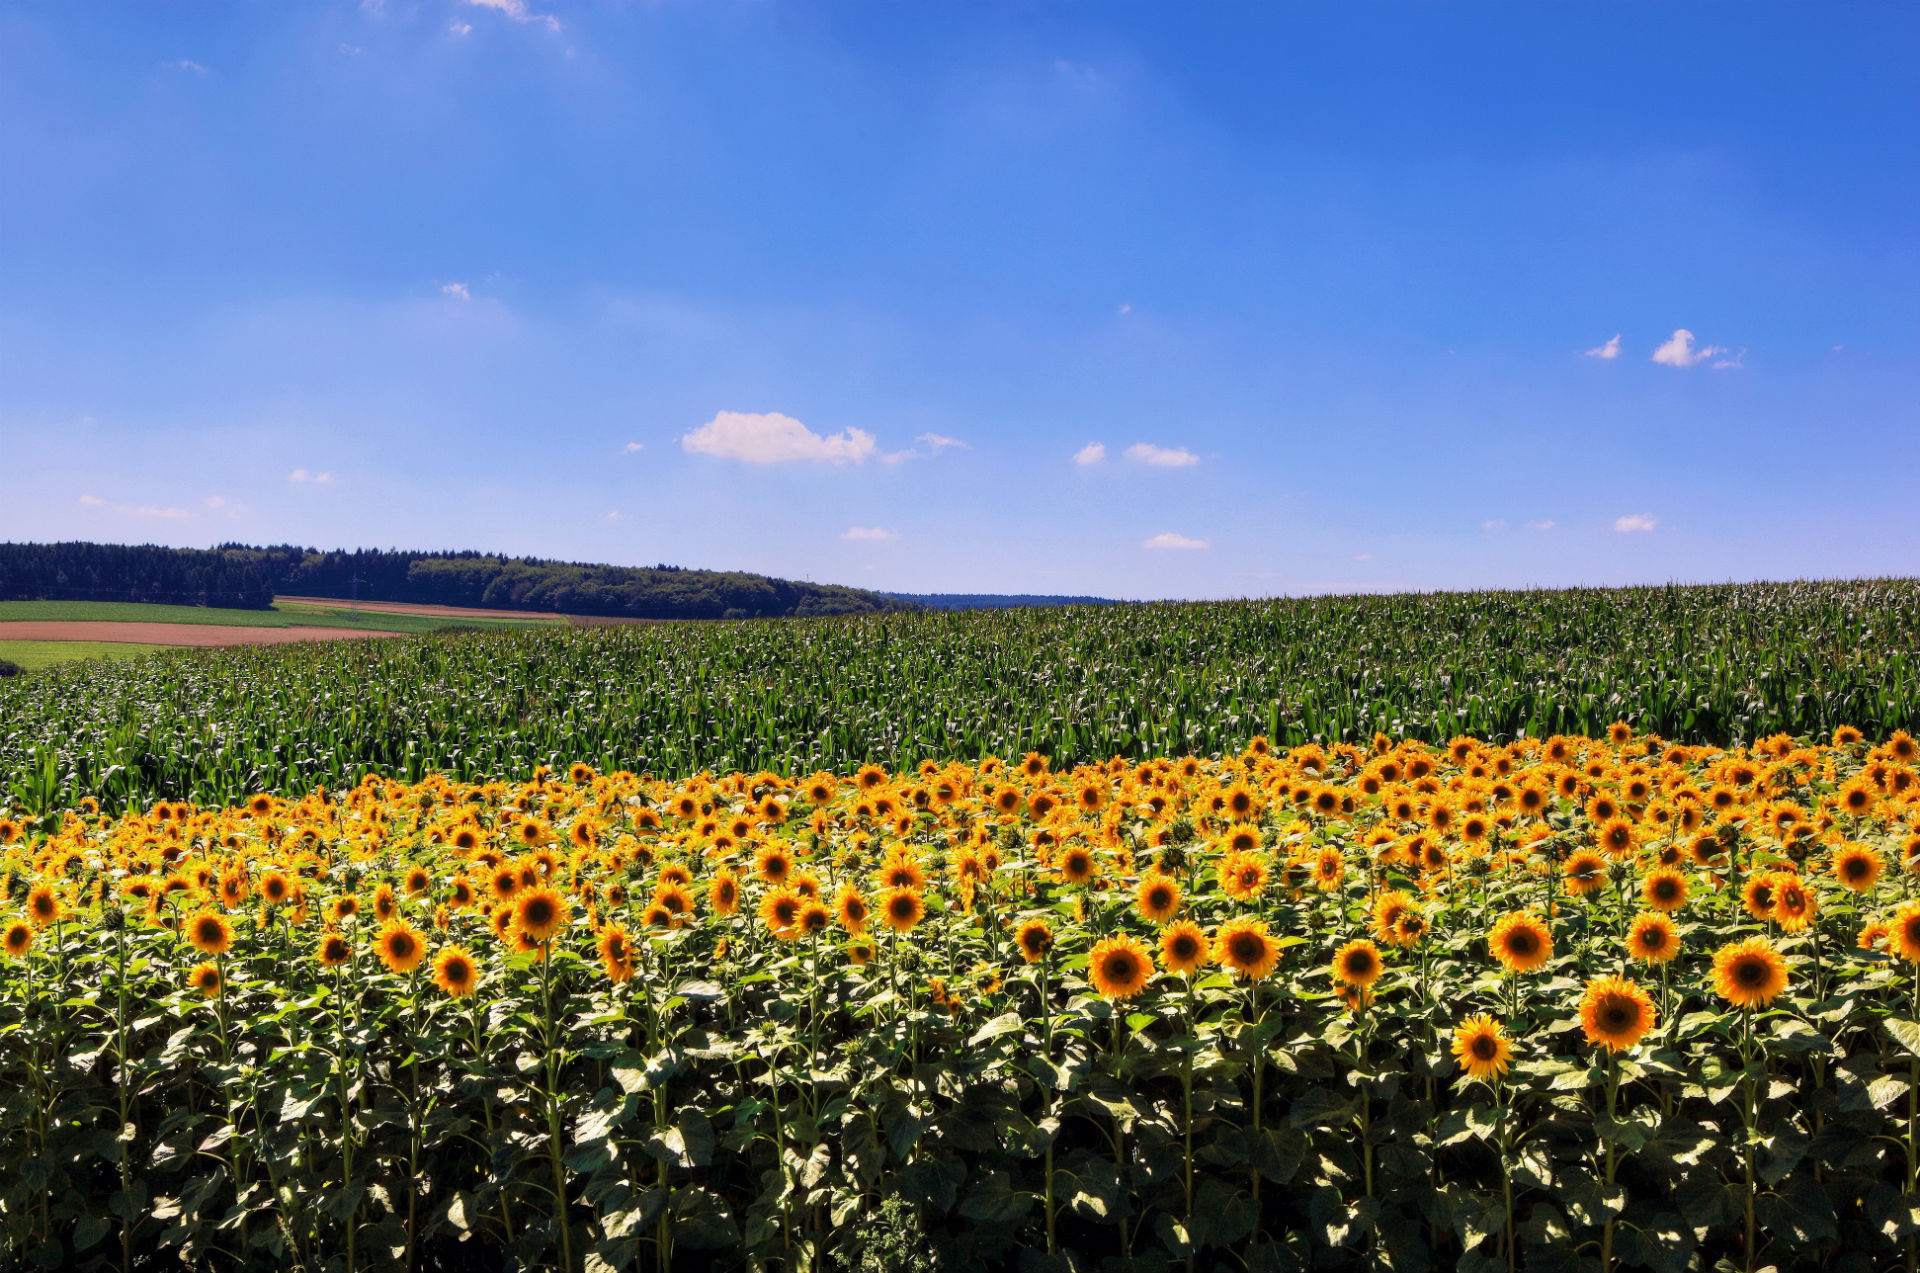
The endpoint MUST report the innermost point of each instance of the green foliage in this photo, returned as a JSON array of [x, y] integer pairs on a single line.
[[1718, 664]]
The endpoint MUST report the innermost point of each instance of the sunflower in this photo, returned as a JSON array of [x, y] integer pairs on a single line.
[[1749, 973], [1664, 889], [1586, 871], [455, 972], [43, 905], [206, 979], [674, 898], [901, 909], [1119, 967], [210, 933], [1077, 865], [1409, 927], [1243, 876], [1480, 1045], [1906, 932], [1157, 899], [1652, 939], [1857, 866], [1793, 903], [813, 919], [1615, 1013], [780, 911], [1357, 964], [723, 895], [1245, 946], [274, 888], [773, 864], [1184, 948], [616, 953], [860, 951], [851, 907], [1757, 896], [1872, 934], [333, 951], [900, 872], [540, 913], [1520, 942], [1035, 939], [17, 938], [1241, 839], [400, 946], [384, 903], [1388, 910]]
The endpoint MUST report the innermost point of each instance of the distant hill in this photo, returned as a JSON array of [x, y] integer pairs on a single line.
[[245, 577], [993, 600]]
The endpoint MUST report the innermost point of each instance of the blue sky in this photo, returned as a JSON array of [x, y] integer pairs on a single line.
[[1140, 300]]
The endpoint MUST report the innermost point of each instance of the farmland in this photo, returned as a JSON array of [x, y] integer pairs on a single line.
[[1377, 1005], [1723, 664]]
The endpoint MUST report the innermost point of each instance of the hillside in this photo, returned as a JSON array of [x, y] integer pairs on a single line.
[[994, 600], [240, 576]]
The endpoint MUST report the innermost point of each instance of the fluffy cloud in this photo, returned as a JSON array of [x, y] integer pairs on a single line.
[[301, 477], [635, 446], [458, 291], [1176, 457], [519, 11], [772, 438], [1679, 351], [1494, 525], [1635, 522], [1541, 525], [1091, 453], [867, 534], [1609, 350], [1173, 541], [190, 66]]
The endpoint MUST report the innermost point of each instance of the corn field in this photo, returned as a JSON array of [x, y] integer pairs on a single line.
[[1563, 1003], [1722, 665]]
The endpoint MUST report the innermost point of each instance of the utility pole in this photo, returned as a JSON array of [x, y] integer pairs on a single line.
[[355, 582]]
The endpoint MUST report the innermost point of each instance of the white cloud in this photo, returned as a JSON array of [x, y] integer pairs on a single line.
[[1091, 453], [458, 291], [215, 501], [927, 445], [1635, 522], [518, 11], [867, 534], [92, 501], [1733, 362], [188, 65], [1126, 309], [1176, 457], [1540, 525], [1609, 350], [302, 476], [772, 438], [1363, 556], [352, 50], [460, 28], [1679, 350], [635, 446], [1494, 525], [610, 517], [1173, 541]]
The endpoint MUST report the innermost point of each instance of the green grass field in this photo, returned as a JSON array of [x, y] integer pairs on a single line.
[[284, 616], [34, 655]]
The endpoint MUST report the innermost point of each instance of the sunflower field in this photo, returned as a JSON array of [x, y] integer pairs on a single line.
[[1577, 1003]]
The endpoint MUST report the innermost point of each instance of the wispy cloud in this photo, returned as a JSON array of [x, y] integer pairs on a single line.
[[1165, 457], [519, 11], [632, 447], [1635, 522], [188, 65], [136, 510], [925, 447], [1169, 540], [302, 477], [457, 291], [1609, 350], [1363, 556], [867, 534], [1495, 525], [772, 438], [1091, 453], [1541, 525], [1679, 350], [1126, 309], [460, 28]]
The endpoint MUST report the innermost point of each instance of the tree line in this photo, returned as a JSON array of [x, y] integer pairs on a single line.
[[242, 576]]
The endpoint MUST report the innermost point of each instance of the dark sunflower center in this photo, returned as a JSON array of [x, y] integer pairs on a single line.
[[1521, 943], [1119, 967], [1750, 972], [1619, 1015], [1484, 1048], [1246, 948], [1184, 947]]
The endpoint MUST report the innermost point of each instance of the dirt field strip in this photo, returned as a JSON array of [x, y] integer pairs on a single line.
[[201, 635]]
